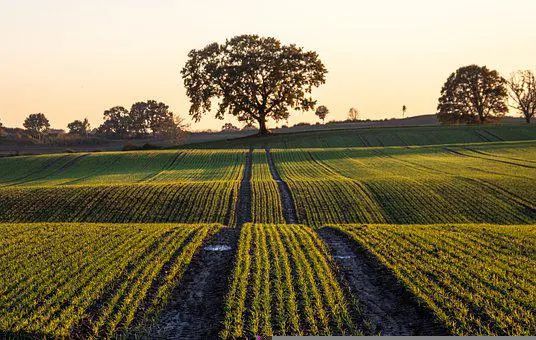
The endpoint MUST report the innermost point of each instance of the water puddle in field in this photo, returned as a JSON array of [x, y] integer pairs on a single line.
[[218, 247], [344, 257]]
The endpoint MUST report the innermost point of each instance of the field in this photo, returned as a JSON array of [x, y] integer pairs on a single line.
[[284, 283], [431, 231], [478, 279], [81, 280]]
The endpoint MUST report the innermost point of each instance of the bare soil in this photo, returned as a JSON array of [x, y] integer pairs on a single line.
[[289, 210], [389, 307]]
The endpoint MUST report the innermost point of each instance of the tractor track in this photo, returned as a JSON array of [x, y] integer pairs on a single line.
[[386, 304]]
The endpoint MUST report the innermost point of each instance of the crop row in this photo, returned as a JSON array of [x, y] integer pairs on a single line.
[[266, 202], [422, 185], [86, 280], [121, 168], [284, 283], [182, 202], [478, 279]]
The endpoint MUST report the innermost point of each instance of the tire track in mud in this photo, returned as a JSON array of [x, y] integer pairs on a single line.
[[386, 304], [289, 208], [196, 307]]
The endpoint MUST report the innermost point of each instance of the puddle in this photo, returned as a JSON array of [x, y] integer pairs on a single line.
[[218, 247], [344, 257]]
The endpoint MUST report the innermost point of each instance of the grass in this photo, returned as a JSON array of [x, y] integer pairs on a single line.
[[85, 280], [477, 279], [284, 283]]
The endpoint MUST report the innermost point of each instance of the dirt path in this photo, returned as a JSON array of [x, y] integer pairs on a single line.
[[386, 304], [243, 206], [289, 210], [196, 307]]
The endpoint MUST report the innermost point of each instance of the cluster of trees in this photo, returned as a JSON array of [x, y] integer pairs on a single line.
[[150, 118], [145, 119], [475, 95]]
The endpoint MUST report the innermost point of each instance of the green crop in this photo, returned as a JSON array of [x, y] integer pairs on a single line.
[[477, 279], [284, 283], [88, 280]]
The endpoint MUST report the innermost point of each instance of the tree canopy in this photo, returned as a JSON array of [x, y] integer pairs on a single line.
[[254, 78], [79, 127], [36, 124], [144, 119], [321, 112], [522, 86], [473, 94]]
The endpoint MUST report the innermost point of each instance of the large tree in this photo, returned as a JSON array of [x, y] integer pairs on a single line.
[[36, 124], [522, 86], [254, 78], [473, 94]]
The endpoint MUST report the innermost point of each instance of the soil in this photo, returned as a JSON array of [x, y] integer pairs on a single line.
[[389, 307], [289, 210], [195, 310]]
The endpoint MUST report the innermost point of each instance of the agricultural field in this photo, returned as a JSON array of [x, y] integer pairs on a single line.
[[431, 236], [379, 137], [284, 283], [162, 186], [491, 183], [82, 280], [477, 279]]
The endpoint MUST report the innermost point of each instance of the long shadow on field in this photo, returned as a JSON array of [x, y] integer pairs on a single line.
[[25, 335], [195, 310], [390, 308]]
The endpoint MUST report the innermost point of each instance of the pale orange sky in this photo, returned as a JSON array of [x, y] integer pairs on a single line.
[[74, 59]]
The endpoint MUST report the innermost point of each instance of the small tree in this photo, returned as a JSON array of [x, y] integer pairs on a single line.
[[229, 127], [255, 78], [404, 109], [522, 86], [473, 94], [36, 124], [322, 111], [150, 116], [353, 114], [79, 127]]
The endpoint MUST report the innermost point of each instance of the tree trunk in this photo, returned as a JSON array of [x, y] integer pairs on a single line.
[[527, 119], [263, 131]]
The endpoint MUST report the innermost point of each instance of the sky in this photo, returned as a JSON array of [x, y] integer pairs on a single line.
[[71, 59]]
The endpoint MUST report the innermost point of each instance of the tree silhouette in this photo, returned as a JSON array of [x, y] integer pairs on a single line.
[[522, 86], [472, 94], [353, 114], [36, 124], [322, 111], [254, 78], [404, 108], [79, 127]]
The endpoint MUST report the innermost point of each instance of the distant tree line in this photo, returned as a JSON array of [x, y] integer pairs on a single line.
[[145, 119]]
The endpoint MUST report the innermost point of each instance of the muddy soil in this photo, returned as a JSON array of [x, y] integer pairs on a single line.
[[196, 307]]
